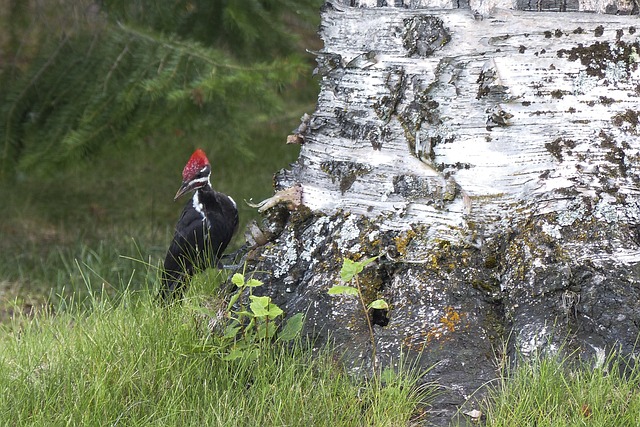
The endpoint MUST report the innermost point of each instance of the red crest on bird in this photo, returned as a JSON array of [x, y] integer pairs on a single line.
[[196, 163]]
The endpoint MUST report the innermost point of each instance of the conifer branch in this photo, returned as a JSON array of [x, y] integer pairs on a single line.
[[131, 75], [27, 87], [114, 66], [186, 49]]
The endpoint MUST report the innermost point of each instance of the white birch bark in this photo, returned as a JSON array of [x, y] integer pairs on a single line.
[[466, 137], [491, 157]]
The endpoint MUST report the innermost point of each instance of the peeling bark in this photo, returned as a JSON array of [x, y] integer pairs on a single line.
[[492, 159]]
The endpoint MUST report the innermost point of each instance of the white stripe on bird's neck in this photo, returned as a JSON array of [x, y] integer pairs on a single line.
[[197, 204]]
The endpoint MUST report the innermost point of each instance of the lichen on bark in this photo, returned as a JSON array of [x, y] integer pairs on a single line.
[[492, 165]]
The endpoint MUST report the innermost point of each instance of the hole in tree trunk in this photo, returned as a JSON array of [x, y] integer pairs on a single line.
[[379, 316]]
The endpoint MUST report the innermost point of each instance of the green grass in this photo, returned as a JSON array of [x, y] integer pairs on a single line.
[[557, 392], [131, 362]]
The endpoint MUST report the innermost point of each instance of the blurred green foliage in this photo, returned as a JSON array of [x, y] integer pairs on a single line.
[[102, 103], [250, 30], [79, 75]]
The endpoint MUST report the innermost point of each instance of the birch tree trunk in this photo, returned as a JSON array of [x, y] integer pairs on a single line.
[[491, 157]]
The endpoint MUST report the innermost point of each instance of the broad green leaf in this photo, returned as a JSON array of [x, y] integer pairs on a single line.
[[274, 311], [266, 331], [349, 269], [244, 313], [261, 331], [291, 328], [259, 305], [259, 311], [231, 331], [379, 304], [272, 330], [232, 301], [262, 301], [238, 280], [234, 354], [249, 330], [343, 290], [252, 283]]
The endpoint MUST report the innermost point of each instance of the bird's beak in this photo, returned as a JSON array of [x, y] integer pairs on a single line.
[[184, 188]]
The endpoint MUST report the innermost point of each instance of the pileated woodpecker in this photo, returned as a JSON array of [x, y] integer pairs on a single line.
[[204, 229]]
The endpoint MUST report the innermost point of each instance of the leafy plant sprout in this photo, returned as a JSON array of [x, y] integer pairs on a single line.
[[252, 327], [349, 273]]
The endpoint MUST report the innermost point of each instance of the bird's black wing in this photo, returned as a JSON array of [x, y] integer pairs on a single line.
[[184, 252], [223, 219]]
